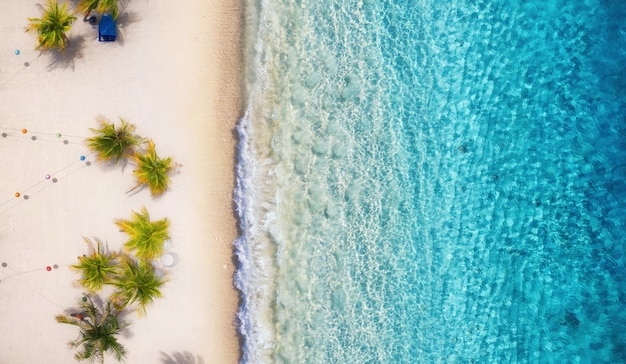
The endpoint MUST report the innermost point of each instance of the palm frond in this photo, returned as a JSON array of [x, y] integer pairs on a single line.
[[67, 319], [89, 352], [102, 6], [113, 347]]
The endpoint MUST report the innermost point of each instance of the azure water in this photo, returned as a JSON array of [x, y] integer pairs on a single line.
[[433, 181]]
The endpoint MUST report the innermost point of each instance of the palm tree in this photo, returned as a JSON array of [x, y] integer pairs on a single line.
[[152, 170], [99, 327], [113, 143], [136, 282], [52, 27], [146, 237], [97, 268], [102, 6]]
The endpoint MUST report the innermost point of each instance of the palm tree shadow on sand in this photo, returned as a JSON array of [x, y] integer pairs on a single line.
[[123, 20], [66, 59], [181, 357]]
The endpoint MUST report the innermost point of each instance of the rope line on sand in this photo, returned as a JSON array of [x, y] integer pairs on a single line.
[[58, 175], [53, 177], [21, 133], [4, 266], [8, 273], [24, 66]]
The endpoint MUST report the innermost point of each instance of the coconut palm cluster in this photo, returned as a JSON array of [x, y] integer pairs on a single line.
[[118, 144], [57, 20], [131, 271], [128, 278]]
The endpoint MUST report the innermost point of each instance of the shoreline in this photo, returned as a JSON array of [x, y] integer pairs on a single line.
[[175, 71]]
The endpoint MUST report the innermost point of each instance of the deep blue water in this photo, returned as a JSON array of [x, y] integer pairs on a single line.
[[433, 181]]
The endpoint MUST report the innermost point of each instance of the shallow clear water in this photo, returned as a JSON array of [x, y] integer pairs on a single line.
[[425, 181]]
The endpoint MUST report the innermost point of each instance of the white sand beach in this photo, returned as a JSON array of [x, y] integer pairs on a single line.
[[174, 71]]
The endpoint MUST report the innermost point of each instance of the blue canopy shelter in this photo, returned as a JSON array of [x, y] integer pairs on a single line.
[[107, 31]]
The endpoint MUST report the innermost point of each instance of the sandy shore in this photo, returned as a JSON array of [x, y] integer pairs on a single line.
[[174, 72]]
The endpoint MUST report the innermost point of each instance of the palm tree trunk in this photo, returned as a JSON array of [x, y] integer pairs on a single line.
[[86, 18], [67, 41]]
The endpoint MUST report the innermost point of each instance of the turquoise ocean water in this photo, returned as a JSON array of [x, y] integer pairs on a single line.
[[433, 182]]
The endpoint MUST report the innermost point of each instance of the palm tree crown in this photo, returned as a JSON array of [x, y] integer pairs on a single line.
[[99, 327], [113, 143], [152, 170], [146, 237], [97, 268], [136, 282], [103, 6], [52, 27]]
